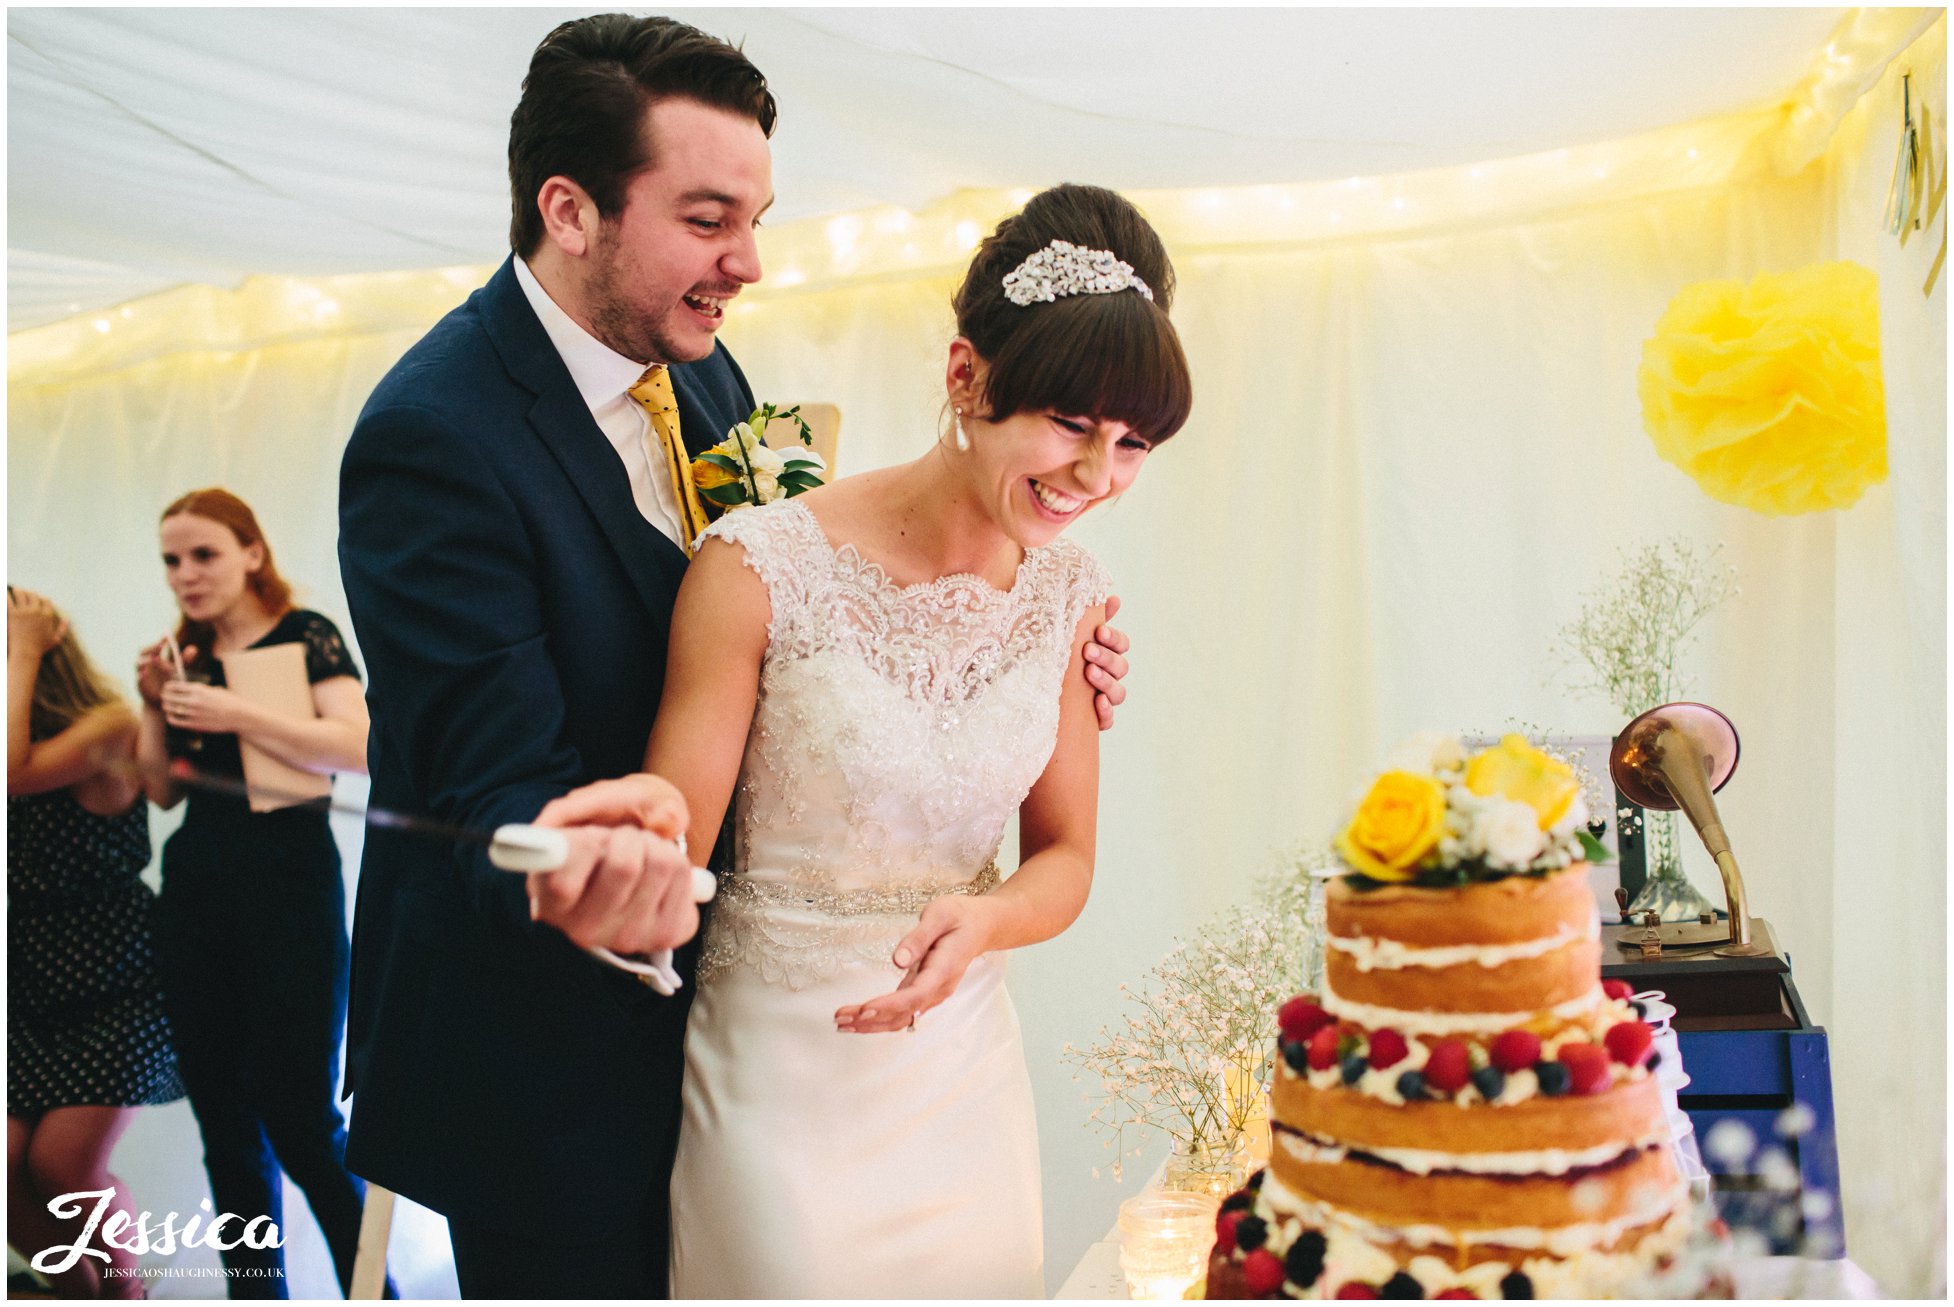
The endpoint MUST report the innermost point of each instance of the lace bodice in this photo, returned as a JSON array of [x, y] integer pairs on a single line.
[[897, 730]]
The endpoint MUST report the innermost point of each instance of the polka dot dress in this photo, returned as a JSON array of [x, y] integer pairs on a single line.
[[85, 1024]]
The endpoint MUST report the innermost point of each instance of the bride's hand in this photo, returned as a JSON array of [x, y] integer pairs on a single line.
[[648, 802], [953, 931]]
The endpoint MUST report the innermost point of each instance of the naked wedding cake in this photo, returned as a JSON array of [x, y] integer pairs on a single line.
[[1465, 1110]]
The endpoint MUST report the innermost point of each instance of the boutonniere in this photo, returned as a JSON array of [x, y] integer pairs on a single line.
[[741, 470]]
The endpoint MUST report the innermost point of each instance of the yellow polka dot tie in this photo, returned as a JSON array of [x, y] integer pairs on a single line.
[[654, 391]]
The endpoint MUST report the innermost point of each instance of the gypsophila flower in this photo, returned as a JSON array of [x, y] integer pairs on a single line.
[[1631, 632], [1191, 1057]]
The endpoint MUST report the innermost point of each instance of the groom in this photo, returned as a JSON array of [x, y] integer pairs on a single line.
[[511, 541]]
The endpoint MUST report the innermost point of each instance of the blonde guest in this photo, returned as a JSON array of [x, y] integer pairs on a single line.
[[87, 1041]]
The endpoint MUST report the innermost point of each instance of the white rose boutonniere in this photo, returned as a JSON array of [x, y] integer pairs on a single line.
[[741, 471]]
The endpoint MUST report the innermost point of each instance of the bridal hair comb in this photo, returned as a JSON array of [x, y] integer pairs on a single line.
[[1063, 268]]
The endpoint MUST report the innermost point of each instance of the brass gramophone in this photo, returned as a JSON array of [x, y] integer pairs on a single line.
[[1678, 756]]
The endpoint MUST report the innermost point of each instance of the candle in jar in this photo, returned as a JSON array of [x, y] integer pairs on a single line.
[[1165, 1239]]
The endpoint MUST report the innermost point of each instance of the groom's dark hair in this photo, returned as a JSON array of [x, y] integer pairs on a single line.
[[583, 106]]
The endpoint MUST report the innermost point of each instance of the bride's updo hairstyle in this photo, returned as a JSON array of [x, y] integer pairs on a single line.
[[1111, 356]]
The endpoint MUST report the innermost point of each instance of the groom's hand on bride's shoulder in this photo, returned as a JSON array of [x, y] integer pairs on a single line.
[[622, 888], [1106, 665]]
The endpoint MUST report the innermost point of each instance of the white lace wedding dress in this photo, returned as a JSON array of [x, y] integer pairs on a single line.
[[898, 729]]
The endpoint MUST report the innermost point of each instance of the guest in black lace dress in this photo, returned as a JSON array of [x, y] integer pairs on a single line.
[[87, 1042], [251, 930]]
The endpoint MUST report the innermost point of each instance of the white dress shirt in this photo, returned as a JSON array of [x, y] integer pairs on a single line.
[[604, 378]]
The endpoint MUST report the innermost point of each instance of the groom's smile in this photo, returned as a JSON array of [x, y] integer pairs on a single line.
[[710, 307]]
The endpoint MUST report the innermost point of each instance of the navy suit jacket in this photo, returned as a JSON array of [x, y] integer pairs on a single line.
[[513, 606]]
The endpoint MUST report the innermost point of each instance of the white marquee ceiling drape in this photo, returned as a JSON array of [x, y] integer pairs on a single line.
[[152, 147]]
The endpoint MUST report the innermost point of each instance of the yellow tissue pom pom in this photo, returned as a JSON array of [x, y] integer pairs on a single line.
[[1769, 394], [1516, 770], [1396, 825]]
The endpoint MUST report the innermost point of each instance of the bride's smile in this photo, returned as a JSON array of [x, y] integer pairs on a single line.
[[1061, 507], [1051, 469]]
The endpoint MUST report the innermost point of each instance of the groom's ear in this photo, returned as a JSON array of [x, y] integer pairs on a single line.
[[569, 215]]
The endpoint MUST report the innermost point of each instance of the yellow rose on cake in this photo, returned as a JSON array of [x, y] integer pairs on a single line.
[[1514, 769], [1396, 825]]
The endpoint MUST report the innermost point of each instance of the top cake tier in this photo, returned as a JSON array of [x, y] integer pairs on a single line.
[[1522, 950]]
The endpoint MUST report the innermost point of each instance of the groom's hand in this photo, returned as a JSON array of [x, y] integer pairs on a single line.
[[620, 888], [1106, 665], [626, 886]]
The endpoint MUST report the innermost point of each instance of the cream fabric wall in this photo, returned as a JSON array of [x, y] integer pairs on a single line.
[[1411, 451], [1889, 849]]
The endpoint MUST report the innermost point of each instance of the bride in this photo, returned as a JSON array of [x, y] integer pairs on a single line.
[[857, 1113]]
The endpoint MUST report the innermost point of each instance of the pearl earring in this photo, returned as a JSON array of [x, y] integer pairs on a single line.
[[963, 441]]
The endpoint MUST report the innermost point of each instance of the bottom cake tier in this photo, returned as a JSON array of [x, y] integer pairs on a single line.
[[1277, 1243]]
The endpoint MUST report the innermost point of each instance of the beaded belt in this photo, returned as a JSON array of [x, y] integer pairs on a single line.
[[904, 900]]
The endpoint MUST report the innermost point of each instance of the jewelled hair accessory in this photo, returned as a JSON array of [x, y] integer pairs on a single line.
[[1062, 268]]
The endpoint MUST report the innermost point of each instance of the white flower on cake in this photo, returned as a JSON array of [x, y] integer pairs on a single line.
[[1508, 832], [1428, 751]]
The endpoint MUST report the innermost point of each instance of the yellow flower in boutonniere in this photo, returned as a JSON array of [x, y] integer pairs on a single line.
[[741, 470], [1768, 393], [1514, 769], [1396, 825], [710, 475]]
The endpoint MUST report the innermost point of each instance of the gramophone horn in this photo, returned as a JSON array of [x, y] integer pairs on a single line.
[[1677, 756]]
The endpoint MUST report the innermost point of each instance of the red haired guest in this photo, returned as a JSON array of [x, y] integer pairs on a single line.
[[251, 929]]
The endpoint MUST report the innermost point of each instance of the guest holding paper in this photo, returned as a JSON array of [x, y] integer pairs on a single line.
[[87, 1042], [251, 929]]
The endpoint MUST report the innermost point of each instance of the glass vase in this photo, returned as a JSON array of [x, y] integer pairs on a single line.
[[1316, 929], [1667, 890], [1207, 1167]]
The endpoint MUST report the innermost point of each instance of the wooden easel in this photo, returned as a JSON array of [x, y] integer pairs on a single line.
[[370, 1261]]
